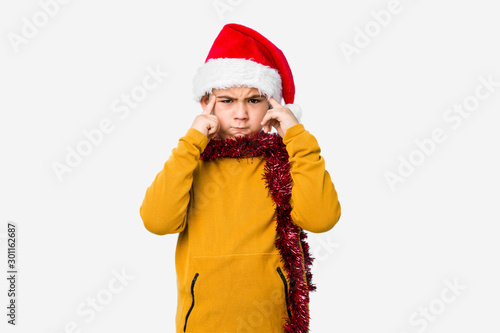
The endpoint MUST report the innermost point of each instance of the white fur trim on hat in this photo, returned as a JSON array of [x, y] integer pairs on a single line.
[[225, 73]]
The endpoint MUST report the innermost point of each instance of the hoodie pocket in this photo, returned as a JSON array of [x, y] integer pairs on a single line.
[[233, 292], [192, 304], [283, 279]]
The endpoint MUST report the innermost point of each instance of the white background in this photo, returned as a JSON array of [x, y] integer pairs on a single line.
[[392, 251]]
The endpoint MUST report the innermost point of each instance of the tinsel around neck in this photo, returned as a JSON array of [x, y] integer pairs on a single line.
[[290, 238], [241, 147]]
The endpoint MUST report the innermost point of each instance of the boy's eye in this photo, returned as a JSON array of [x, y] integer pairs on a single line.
[[226, 101], [254, 101]]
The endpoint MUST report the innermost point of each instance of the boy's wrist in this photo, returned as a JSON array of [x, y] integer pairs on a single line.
[[292, 132], [197, 138]]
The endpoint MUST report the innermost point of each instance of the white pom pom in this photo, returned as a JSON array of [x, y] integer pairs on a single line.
[[296, 110]]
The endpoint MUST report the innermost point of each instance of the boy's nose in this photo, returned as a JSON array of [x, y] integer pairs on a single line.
[[241, 111]]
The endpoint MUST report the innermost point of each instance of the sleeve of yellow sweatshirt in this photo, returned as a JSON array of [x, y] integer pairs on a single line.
[[315, 205], [164, 207]]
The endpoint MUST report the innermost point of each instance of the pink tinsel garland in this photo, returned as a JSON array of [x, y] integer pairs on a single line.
[[290, 238]]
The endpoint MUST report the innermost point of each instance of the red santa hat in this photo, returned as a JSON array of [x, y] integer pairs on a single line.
[[242, 57]]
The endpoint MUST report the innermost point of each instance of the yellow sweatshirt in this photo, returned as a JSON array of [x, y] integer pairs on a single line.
[[229, 274]]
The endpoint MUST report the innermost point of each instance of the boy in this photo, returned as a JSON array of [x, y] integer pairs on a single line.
[[240, 197]]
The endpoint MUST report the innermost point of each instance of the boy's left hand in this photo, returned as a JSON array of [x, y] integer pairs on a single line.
[[278, 117]]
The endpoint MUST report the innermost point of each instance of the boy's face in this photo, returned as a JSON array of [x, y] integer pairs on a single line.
[[239, 111]]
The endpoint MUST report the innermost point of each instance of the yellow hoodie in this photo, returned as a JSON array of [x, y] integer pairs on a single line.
[[229, 274]]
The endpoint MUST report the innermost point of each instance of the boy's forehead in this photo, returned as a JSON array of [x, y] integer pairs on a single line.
[[237, 91]]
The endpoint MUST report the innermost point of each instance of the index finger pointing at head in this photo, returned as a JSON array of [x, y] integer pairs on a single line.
[[274, 103], [210, 106]]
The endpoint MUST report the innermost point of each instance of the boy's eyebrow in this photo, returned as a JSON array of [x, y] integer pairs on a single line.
[[231, 97], [255, 96]]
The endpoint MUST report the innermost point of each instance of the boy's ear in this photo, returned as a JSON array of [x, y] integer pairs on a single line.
[[204, 100]]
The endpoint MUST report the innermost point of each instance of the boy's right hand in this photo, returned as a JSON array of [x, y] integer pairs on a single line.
[[206, 122]]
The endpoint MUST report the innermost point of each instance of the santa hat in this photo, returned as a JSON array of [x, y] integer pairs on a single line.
[[242, 57]]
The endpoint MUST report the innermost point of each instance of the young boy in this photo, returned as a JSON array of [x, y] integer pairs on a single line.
[[240, 197]]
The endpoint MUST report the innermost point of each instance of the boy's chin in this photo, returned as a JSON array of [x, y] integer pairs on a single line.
[[235, 136]]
